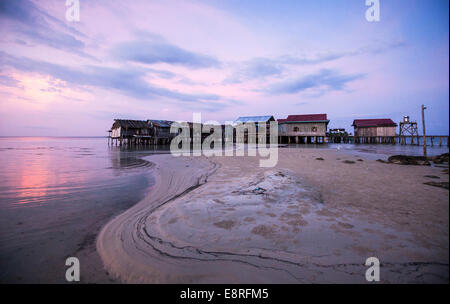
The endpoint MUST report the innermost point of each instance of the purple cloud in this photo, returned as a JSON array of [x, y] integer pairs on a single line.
[[128, 81], [33, 24], [325, 80], [150, 52]]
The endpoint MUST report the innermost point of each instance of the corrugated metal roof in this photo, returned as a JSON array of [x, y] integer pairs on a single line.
[[160, 123], [379, 122], [304, 118], [255, 118], [131, 124], [307, 117]]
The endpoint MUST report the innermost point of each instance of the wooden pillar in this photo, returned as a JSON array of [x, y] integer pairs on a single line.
[[424, 133]]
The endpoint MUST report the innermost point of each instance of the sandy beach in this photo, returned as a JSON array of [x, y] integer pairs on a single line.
[[314, 218]]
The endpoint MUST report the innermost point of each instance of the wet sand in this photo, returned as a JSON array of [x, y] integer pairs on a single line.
[[55, 196], [315, 217]]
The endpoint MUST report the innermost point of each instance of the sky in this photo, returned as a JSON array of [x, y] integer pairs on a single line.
[[224, 59]]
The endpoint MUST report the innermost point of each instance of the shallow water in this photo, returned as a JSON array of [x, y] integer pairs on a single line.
[[389, 149], [55, 193], [375, 151]]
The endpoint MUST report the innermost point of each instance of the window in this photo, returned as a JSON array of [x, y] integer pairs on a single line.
[[295, 129]]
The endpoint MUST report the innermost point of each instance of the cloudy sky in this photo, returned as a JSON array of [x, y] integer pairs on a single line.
[[227, 58]]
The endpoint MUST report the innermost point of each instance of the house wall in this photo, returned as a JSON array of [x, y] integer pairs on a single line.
[[304, 129], [386, 131], [375, 131], [164, 132], [119, 131], [115, 132]]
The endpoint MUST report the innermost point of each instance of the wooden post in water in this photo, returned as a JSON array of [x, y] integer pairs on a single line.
[[424, 133]]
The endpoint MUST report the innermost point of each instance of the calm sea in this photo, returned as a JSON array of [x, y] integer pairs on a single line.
[[56, 193], [383, 151]]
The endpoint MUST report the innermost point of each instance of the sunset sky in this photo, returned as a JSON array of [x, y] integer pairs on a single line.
[[228, 58]]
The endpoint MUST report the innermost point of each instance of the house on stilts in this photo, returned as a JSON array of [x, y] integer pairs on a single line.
[[303, 129], [381, 130], [126, 131]]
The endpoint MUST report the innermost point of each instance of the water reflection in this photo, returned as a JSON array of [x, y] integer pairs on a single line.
[[131, 157], [55, 193], [38, 171], [34, 181]]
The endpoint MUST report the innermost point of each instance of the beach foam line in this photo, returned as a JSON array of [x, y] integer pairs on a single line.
[[125, 255], [178, 235]]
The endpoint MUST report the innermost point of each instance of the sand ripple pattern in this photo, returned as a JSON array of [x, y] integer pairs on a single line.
[[208, 223]]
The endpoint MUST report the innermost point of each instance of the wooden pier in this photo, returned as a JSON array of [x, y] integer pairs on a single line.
[[301, 130], [432, 140]]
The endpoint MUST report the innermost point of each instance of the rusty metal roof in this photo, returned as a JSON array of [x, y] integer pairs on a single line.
[[307, 117], [379, 122], [304, 118]]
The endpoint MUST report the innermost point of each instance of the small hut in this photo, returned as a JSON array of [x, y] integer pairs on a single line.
[[257, 120], [160, 130], [306, 128], [338, 135], [130, 131], [374, 130]]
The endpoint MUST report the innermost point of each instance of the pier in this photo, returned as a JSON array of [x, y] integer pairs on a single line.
[[296, 129], [431, 140]]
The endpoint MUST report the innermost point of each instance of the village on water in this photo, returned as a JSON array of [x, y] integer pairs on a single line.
[[295, 129]]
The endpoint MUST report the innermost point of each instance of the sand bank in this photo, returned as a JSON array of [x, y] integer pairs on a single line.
[[315, 217]]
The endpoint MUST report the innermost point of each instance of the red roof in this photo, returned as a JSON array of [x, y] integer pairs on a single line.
[[305, 117], [382, 122]]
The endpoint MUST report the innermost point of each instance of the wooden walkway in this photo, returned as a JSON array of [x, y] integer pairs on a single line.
[[432, 140]]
